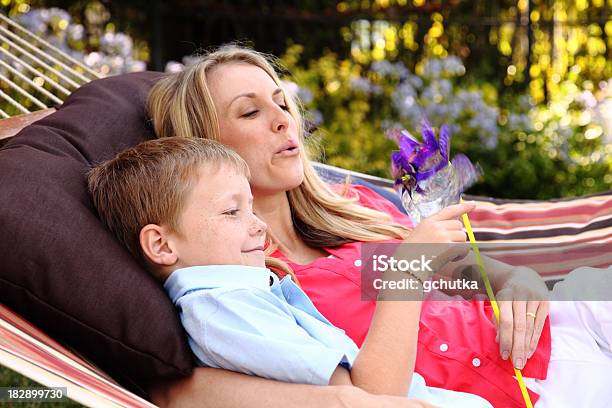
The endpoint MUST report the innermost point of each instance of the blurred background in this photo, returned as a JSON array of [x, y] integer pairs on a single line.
[[525, 86]]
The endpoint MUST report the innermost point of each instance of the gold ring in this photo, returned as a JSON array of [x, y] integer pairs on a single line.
[[531, 314]]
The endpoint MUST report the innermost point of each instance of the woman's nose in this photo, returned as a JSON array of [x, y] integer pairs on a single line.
[[280, 122]]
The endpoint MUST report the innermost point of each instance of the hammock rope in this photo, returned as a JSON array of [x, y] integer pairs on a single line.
[[34, 72]]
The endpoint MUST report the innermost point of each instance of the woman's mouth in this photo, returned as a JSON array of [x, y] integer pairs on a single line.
[[292, 151], [290, 148]]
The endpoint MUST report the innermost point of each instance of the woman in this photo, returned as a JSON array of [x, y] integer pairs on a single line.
[[234, 96]]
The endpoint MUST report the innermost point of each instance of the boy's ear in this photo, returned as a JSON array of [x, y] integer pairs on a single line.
[[154, 244]]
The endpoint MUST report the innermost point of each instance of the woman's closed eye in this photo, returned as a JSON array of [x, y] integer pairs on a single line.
[[232, 213], [250, 114]]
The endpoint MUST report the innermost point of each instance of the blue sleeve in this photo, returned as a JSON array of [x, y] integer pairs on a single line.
[[253, 333]]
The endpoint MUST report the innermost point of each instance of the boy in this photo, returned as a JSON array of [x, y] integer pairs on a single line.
[[183, 207]]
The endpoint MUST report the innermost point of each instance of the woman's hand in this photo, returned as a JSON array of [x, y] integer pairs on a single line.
[[442, 227], [523, 305]]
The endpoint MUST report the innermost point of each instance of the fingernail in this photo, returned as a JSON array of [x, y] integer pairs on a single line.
[[518, 363], [505, 355]]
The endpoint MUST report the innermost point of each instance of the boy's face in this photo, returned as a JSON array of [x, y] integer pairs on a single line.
[[217, 225]]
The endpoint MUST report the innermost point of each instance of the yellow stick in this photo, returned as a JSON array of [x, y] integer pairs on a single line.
[[485, 278]]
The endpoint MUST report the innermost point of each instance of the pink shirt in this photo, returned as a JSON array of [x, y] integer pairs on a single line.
[[456, 344]]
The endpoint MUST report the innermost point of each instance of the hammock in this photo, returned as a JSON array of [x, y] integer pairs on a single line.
[[41, 73], [30, 352], [573, 225]]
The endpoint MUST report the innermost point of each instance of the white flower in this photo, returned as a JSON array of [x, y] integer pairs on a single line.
[[383, 67], [519, 121], [75, 32], [432, 68], [34, 21], [401, 70], [414, 80], [291, 87], [116, 43], [135, 66], [173, 67], [305, 95], [365, 85], [404, 99], [315, 116], [603, 115], [58, 14], [93, 59], [453, 66], [190, 60]]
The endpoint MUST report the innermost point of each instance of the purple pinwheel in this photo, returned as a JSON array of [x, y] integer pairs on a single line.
[[424, 177]]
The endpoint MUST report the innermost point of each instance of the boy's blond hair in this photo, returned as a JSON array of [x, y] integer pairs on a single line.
[[149, 184]]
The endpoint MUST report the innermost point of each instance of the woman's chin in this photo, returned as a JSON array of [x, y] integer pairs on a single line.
[[277, 179], [295, 175], [294, 183]]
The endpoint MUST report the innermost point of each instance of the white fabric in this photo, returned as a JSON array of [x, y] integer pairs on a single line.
[[580, 370]]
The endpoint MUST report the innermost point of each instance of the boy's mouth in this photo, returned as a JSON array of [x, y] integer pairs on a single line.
[[258, 248]]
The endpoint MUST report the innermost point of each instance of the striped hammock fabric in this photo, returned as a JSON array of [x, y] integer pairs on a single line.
[[552, 237], [30, 352]]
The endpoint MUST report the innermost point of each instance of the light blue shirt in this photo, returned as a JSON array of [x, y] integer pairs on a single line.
[[245, 319], [237, 321]]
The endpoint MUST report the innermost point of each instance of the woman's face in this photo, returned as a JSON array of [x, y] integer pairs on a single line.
[[255, 122]]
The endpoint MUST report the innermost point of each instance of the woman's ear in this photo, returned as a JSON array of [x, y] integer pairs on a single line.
[[155, 246]]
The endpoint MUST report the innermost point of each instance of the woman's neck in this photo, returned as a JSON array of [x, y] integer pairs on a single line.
[[276, 212]]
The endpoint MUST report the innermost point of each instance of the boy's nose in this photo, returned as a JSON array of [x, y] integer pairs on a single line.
[[258, 226]]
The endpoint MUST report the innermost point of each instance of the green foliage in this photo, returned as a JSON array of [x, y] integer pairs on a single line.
[[560, 149], [555, 54]]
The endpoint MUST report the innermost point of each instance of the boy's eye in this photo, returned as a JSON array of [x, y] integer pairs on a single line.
[[232, 213]]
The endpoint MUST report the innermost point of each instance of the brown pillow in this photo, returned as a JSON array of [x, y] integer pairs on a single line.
[[61, 268]]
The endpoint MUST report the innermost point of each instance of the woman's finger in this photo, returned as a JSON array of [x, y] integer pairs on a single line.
[[506, 325], [453, 211], [519, 309], [457, 236], [531, 314], [451, 225], [540, 319]]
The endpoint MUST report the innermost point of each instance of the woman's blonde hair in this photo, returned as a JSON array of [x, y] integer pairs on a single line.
[[180, 104]]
